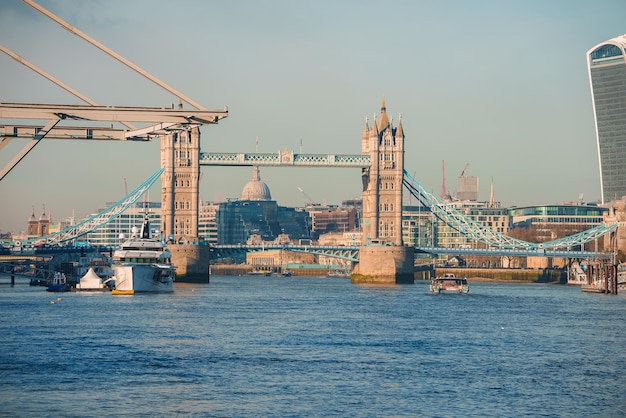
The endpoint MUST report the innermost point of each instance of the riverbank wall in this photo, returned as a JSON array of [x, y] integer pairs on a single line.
[[507, 275]]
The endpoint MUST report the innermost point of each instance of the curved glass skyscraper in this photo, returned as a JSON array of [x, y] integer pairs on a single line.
[[606, 63]]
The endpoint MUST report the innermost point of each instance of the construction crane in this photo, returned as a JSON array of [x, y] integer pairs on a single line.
[[305, 195], [464, 170], [444, 191]]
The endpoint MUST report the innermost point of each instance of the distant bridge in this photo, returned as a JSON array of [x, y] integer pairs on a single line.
[[346, 253], [352, 253]]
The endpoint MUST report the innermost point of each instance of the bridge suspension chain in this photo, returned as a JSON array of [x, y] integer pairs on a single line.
[[95, 221], [481, 233]]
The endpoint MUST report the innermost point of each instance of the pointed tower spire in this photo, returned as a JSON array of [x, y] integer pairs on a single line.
[[383, 121], [492, 200], [399, 130]]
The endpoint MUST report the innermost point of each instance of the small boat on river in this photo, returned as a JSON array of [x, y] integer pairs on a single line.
[[449, 283], [58, 284], [260, 272]]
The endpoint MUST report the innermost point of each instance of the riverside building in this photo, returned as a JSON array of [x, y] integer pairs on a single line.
[[606, 64], [113, 233]]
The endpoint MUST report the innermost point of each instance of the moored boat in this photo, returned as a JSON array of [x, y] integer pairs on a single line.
[[595, 286], [449, 283], [260, 272], [576, 274], [59, 283], [143, 264]]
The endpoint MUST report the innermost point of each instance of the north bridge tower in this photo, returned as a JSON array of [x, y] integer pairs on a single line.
[[383, 257]]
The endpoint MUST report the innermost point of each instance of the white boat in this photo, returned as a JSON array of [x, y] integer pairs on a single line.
[[576, 275], [449, 283], [143, 264]]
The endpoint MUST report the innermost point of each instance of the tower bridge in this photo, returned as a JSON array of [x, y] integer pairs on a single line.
[[383, 257]]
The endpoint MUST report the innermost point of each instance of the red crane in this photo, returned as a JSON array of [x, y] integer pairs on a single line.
[[444, 191]]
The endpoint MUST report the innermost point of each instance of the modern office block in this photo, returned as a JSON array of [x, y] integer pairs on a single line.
[[606, 64]]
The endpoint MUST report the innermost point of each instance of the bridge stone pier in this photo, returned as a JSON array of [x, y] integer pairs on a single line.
[[383, 257], [384, 264], [191, 261]]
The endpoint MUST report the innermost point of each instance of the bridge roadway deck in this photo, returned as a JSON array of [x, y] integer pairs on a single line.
[[346, 252], [351, 253]]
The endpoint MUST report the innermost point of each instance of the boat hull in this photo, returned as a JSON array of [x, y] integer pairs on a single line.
[[450, 289], [148, 278], [449, 284], [58, 288]]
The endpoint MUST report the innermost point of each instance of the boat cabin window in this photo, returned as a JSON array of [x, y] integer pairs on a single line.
[[139, 260]]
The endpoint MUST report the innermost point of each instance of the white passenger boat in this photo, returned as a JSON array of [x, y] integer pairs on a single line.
[[449, 283], [143, 264]]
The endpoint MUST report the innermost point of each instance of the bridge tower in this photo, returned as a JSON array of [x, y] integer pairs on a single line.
[[180, 197], [180, 152], [383, 257]]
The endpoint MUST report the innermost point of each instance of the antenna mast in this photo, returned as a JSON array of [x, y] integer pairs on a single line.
[[444, 193]]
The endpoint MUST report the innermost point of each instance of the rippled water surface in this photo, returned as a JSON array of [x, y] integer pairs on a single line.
[[249, 346]]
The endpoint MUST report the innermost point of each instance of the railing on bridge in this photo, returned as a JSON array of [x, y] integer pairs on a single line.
[[352, 253], [346, 253], [503, 252], [25, 269]]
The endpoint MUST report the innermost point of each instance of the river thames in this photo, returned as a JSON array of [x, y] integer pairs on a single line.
[[293, 347]]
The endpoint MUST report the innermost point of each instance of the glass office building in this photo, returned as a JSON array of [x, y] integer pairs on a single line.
[[606, 64]]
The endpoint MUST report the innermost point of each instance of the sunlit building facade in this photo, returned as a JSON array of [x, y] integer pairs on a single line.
[[606, 63], [113, 233], [556, 221]]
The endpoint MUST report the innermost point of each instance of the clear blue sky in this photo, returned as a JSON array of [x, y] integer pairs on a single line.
[[501, 85]]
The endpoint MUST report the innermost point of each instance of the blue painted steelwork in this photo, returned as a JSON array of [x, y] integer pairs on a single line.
[[92, 223], [480, 233], [346, 253], [513, 252], [284, 159], [352, 253]]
